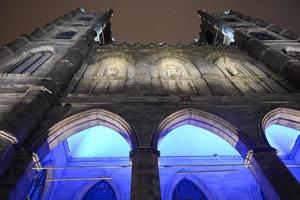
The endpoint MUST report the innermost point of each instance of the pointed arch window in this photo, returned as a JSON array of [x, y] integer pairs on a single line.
[[194, 153], [101, 191], [187, 190], [29, 63]]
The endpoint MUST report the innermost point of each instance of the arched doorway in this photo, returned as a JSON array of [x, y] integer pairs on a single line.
[[197, 144], [88, 148], [282, 131]]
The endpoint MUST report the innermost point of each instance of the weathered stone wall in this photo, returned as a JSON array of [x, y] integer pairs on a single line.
[[166, 70], [26, 98], [143, 84], [277, 48]]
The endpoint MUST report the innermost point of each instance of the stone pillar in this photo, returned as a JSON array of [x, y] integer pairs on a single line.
[[274, 178], [145, 174]]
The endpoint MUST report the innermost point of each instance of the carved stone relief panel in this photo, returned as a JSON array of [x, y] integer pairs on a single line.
[[234, 67], [109, 75], [247, 77], [176, 77]]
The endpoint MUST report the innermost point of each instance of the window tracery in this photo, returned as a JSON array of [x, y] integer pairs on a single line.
[[109, 75], [176, 77], [101, 191], [28, 64], [232, 67]]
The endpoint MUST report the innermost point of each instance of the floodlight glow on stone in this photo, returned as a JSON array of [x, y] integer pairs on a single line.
[[98, 141]]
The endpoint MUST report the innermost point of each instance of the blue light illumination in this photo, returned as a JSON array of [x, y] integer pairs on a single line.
[[186, 189], [190, 140], [37, 186], [281, 138], [101, 191], [98, 141]]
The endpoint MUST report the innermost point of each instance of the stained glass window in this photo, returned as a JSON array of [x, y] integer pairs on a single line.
[[29, 64], [37, 186], [66, 35], [101, 191], [187, 190]]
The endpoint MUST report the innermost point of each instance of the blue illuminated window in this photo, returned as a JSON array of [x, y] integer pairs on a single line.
[[262, 195], [98, 141], [101, 191], [66, 35], [190, 140], [282, 138], [187, 190], [37, 186], [287, 143]]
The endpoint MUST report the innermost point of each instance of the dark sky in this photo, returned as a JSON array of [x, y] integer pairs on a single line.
[[144, 20]]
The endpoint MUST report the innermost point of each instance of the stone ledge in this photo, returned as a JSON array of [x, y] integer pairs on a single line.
[[275, 29], [255, 48], [274, 59], [290, 35]]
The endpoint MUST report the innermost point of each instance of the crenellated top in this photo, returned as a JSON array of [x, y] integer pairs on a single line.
[[75, 18], [277, 48], [238, 21]]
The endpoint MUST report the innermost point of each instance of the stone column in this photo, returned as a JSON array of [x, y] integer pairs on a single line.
[[273, 177], [145, 174]]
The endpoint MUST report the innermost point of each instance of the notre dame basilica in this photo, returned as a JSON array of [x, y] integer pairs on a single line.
[[83, 117]]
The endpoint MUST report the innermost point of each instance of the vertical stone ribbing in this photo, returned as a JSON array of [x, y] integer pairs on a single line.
[[145, 174], [27, 115], [274, 178]]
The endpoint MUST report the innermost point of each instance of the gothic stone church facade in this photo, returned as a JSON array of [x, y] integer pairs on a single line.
[[240, 77]]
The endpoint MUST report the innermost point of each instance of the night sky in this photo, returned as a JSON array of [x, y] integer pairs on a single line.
[[144, 21]]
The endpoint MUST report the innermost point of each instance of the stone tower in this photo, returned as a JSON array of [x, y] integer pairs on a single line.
[[239, 78]]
